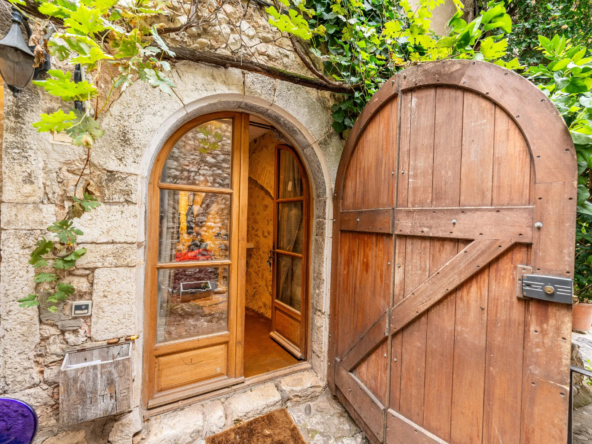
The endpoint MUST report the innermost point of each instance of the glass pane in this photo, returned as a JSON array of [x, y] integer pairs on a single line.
[[289, 281], [192, 302], [193, 226], [290, 227], [202, 156], [290, 181]]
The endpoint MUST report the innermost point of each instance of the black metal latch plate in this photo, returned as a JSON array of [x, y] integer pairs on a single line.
[[547, 288]]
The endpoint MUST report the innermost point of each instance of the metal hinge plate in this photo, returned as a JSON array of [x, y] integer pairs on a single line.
[[544, 288]]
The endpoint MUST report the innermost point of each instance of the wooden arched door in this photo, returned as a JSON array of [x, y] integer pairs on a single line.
[[455, 174], [291, 242]]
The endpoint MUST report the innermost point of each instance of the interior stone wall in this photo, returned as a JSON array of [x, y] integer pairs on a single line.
[[259, 291]]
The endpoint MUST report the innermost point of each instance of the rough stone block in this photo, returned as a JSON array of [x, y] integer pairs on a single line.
[[178, 427], [215, 418], [108, 256], [306, 106], [302, 386], [22, 177], [260, 86], [74, 437], [109, 223], [27, 216], [114, 303], [20, 326], [125, 427], [256, 402], [332, 147]]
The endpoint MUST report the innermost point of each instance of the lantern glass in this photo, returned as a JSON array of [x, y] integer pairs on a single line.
[[16, 67]]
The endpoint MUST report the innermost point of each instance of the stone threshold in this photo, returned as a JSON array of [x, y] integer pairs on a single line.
[[229, 391]]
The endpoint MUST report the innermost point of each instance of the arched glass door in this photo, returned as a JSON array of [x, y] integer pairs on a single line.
[[291, 240], [196, 249]]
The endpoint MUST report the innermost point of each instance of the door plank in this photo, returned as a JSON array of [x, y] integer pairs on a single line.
[[470, 223], [446, 193], [471, 300], [454, 273], [400, 246], [505, 323], [366, 344], [421, 157]]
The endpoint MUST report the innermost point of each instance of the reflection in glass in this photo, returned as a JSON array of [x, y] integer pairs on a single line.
[[193, 226], [192, 302], [202, 156], [289, 281], [290, 227], [290, 181]]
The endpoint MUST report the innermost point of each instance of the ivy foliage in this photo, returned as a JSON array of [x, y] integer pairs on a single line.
[[569, 18], [365, 42]]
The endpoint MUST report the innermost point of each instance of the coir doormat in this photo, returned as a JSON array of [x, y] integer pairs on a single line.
[[276, 427]]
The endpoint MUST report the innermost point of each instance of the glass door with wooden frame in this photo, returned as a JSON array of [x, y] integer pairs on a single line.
[[196, 257], [291, 233]]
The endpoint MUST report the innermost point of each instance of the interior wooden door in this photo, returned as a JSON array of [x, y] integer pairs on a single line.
[[455, 174], [196, 259], [290, 255]]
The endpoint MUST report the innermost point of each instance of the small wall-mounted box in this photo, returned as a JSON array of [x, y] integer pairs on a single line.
[[95, 382], [81, 308]]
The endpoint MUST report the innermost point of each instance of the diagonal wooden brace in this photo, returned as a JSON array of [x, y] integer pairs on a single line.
[[461, 267], [470, 261]]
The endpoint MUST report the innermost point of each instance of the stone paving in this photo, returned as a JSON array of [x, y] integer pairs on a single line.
[[324, 421], [582, 425]]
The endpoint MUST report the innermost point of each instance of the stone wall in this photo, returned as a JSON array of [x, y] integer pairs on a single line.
[[38, 175]]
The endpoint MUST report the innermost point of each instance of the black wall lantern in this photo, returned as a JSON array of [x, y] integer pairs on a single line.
[[16, 57]]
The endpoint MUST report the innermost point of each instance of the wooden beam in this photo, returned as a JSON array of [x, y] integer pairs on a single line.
[[367, 405], [368, 342], [401, 429], [367, 221], [515, 223], [465, 264]]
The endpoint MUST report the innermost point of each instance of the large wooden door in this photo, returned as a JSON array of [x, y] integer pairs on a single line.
[[195, 267], [455, 173], [290, 256]]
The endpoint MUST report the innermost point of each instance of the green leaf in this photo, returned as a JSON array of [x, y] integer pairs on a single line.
[[28, 301], [52, 308], [55, 122], [581, 139], [498, 9], [45, 277], [86, 132], [68, 289], [160, 42], [61, 86], [561, 64], [583, 194], [91, 58], [85, 21], [88, 203], [577, 85], [493, 50]]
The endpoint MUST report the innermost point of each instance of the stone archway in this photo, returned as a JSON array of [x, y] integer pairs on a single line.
[[300, 137]]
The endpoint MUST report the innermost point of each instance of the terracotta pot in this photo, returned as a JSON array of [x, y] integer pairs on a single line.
[[582, 317]]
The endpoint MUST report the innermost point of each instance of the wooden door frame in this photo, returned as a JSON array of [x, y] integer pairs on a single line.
[[237, 271], [555, 186], [307, 208]]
